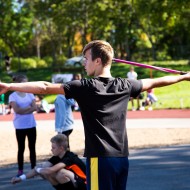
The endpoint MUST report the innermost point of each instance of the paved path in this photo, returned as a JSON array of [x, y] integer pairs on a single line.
[[131, 123], [150, 169], [160, 169], [166, 168]]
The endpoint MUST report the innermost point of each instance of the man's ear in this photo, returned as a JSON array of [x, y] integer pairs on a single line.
[[98, 61]]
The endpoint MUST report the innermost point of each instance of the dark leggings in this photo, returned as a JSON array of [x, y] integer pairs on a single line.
[[67, 133], [21, 136]]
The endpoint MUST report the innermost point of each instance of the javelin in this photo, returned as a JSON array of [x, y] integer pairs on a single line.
[[150, 66]]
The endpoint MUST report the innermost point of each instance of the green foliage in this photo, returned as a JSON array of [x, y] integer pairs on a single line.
[[16, 24], [40, 63], [139, 30], [61, 60], [48, 60], [174, 96], [18, 64], [50, 98], [30, 63]]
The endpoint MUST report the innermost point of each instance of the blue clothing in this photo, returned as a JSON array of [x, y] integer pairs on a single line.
[[63, 113], [108, 173]]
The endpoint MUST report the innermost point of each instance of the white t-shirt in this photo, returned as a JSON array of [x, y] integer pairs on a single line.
[[132, 75], [23, 121]]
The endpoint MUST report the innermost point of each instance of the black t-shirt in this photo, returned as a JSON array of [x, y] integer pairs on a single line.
[[103, 104], [69, 159]]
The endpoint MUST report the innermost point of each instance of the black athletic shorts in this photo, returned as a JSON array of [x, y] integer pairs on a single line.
[[81, 185]]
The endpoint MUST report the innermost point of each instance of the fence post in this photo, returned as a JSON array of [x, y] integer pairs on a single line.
[[181, 102]]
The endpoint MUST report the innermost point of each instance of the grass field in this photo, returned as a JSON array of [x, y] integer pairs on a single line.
[[170, 97]]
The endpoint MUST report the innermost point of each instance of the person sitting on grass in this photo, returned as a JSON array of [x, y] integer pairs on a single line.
[[150, 99], [64, 170]]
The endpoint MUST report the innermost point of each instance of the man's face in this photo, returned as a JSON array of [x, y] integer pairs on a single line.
[[56, 150], [89, 65]]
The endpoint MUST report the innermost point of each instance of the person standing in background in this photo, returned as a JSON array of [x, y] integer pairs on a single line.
[[63, 114], [2, 103], [133, 75], [24, 105], [77, 76], [7, 63]]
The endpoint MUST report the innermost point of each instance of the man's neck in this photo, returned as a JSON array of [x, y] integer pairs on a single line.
[[105, 72]]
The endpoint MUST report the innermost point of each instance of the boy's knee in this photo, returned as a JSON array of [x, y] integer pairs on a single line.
[[48, 177], [62, 176]]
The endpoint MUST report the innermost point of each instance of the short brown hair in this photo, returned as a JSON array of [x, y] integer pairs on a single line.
[[100, 49], [19, 78], [60, 140]]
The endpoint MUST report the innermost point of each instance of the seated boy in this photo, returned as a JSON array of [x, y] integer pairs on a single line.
[[64, 170]]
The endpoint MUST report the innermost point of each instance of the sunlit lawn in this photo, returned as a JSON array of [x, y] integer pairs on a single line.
[[174, 96]]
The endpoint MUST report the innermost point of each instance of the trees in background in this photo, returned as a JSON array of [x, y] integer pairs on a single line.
[[137, 29]]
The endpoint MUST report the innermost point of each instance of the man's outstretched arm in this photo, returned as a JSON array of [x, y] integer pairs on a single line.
[[40, 87], [163, 81]]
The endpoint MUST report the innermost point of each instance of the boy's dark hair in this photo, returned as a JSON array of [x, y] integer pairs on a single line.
[[19, 78]]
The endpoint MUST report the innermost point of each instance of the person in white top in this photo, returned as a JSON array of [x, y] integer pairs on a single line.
[[133, 75], [24, 122]]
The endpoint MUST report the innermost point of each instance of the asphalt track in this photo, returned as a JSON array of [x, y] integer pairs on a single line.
[[166, 168], [170, 113]]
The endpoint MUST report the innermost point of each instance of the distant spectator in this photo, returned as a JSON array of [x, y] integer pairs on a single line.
[[150, 99], [7, 63], [133, 75], [63, 114], [2, 103], [43, 106], [24, 122], [77, 76]]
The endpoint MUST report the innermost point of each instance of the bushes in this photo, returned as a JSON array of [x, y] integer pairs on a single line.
[[35, 62], [29, 63]]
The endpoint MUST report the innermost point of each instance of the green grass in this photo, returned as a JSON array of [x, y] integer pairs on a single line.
[[174, 96], [170, 97]]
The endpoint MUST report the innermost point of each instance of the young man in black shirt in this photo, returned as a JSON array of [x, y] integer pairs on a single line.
[[103, 102]]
